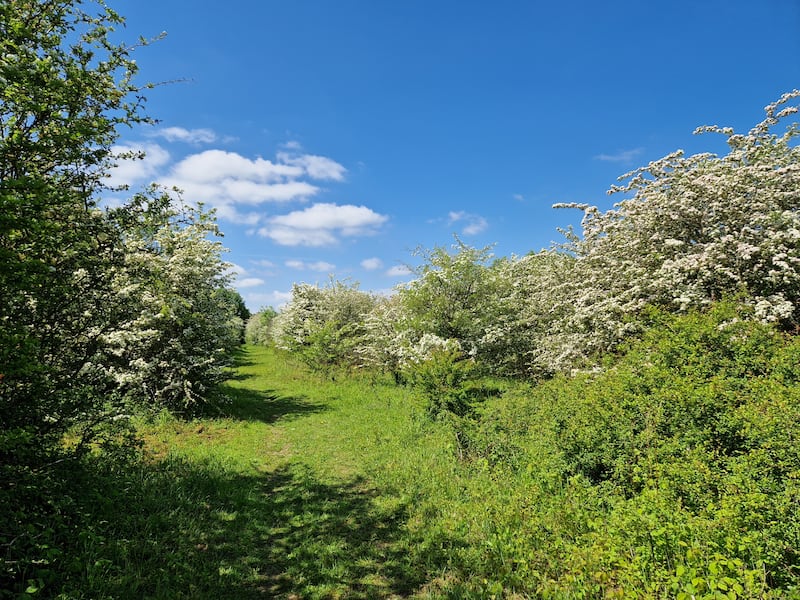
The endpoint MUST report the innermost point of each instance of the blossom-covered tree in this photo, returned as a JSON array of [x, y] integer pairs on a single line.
[[65, 88], [258, 329], [324, 325], [182, 320], [691, 230], [448, 297]]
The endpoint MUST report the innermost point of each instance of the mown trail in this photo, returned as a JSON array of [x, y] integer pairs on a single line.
[[284, 491]]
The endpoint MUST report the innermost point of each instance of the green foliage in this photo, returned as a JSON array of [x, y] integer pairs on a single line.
[[345, 488], [446, 380], [324, 326], [237, 305], [680, 455], [183, 321], [98, 307], [447, 299], [258, 330], [64, 91]]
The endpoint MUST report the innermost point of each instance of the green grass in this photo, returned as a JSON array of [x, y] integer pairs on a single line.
[[274, 496]]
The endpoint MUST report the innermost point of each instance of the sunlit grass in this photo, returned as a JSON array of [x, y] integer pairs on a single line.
[[271, 496]]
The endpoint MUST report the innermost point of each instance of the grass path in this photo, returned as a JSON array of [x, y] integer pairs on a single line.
[[285, 496]]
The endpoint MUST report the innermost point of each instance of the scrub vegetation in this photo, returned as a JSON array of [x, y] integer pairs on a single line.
[[614, 417]]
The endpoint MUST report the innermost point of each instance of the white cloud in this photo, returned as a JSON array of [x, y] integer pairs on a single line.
[[138, 163], [371, 264], [316, 167], [228, 212], [624, 156], [236, 185], [320, 266], [218, 165], [286, 236], [266, 264], [473, 224], [322, 224], [190, 136], [251, 192], [249, 282], [518, 197], [399, 271], [236, 270], [474, 228], [292, 145]]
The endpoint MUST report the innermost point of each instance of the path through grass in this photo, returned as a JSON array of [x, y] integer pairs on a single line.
[[276, 497]]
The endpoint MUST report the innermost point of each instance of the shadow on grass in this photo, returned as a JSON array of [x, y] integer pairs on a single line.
[[266, 406], [177, 530]]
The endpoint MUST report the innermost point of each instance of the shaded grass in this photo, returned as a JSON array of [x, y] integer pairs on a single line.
[[198, 530], [266, 406], [277, 497]]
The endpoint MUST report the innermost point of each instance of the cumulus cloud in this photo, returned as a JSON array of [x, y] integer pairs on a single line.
[[228, 180], [235, 270], [238, 272], [137, 163], [371, 264], [320, 266], [399, 271], [190, 136], [624, 156], [316, 167], [472, 224], [238, 186], [286, 236], [263, 263], [220, 165], [322, 224], [249, 282]]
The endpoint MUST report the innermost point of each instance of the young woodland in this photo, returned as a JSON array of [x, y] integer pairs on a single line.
[[614, 417]]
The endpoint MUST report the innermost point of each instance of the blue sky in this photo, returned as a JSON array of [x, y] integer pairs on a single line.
[[335, 137]]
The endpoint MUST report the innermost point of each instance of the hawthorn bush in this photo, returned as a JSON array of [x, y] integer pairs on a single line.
[[324, 326], [672, 473], [98, 306], [692, 230], [258, 330]]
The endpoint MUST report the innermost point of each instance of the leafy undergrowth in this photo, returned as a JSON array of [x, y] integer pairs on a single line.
[[675, 472]]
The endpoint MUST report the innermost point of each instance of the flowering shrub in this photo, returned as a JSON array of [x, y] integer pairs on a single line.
[[182, 322], [691, 230], [258, 330], [687, 231], [324, 326], [387, 336], [448, 297]]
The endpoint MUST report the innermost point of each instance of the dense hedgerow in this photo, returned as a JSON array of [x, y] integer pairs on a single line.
[[687, 231], [656, 455], [102, 310], [682, 457], [324, 325]]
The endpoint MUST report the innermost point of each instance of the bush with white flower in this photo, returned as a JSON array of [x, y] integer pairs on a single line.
[[324, 325]]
